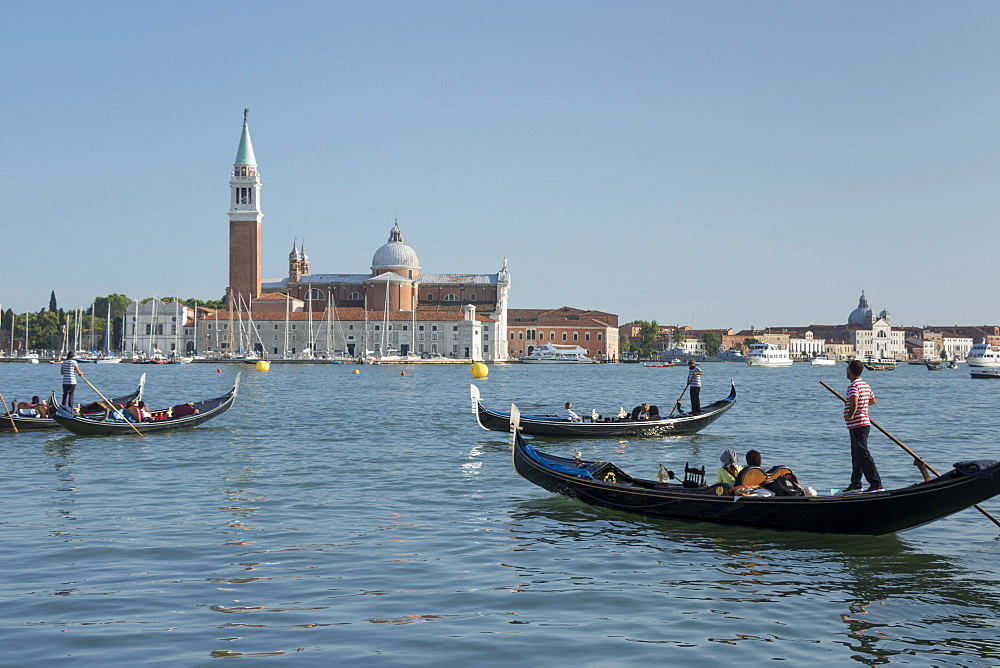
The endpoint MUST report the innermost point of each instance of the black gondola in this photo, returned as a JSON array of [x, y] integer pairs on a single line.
[[552, 425], [25, 423], [203, 411], [604, 484]]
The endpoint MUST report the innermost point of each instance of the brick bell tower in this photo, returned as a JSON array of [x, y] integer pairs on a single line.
[[244, 226]]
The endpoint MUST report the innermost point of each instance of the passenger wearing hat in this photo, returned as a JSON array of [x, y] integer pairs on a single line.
[[730, 469]]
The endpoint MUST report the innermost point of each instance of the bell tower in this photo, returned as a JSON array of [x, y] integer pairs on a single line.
[[244, 225]]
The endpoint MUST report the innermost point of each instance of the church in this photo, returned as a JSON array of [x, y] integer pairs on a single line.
[[394, 310]]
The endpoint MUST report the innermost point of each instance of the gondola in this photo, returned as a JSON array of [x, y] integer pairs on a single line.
[[604, 484], [553, 425], [194, 414], [32, 423]]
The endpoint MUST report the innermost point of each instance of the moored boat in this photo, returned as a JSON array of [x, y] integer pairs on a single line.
[[27, 423], [822, 361], [768, 354], [604, 484], [610, 427], [181, 416], [551, 353]]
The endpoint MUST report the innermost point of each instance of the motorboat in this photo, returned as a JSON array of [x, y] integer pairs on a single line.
[[551, 353], [984, 355], [988, 372], [730, 356], [822, 361], [873, 363], [768, 354]]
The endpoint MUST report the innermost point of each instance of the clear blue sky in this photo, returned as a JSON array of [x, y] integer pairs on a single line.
[[716, 164]]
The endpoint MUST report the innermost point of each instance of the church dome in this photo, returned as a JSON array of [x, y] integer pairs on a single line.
[[395, 254], [862, 315]]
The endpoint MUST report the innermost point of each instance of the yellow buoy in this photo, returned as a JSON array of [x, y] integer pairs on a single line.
[[479, 370], [262, 365], [356, 371]]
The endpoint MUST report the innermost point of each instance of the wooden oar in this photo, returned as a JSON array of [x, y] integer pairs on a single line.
[[918, 460], [107, 401], [677, 404], [11, 417]]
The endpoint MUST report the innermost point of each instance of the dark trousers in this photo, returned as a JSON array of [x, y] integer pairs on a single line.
[[695, 400], [862, 462], [69, 392]]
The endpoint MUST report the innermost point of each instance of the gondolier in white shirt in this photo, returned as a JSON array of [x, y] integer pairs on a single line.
[[69, 368], [694, 386]]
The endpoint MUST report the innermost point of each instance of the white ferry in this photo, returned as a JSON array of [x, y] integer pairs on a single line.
[[768, 354], [984, 355], [550, 353]]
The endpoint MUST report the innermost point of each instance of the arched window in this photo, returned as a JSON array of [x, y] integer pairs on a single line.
[[451, 297], [315, 294], [355, 296]]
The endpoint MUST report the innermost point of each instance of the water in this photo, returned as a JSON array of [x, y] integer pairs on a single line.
[[367, 519]]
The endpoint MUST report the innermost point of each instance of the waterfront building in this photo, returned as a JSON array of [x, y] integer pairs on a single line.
[[594, 331], [806, 346]]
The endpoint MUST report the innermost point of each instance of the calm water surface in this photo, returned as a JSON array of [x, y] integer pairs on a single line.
[[367, 519]]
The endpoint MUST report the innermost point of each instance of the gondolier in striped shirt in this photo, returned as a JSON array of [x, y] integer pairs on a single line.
[[859, 398], [694, 384], [70, 367]]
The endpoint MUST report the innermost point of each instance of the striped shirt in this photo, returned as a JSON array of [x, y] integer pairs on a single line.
[[694, 376], [69, 368], [865, 396]]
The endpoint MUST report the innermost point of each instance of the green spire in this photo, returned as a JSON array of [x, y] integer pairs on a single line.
[[244, 154]]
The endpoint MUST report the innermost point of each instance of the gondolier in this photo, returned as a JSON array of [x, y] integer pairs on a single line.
[[859, 398], [69, 368], [694, 386]]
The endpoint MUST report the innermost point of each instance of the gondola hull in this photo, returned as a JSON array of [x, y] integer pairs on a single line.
[[860, 514], [542, 425], [36, 423], [207, 409]]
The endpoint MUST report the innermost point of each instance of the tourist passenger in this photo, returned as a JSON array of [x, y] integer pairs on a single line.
[[641, 412], [694, 384], [69, 368], [859, 398], [730, 469], [568, 413], [753, 458]]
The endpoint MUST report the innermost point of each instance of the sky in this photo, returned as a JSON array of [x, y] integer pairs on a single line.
[[710, 164]]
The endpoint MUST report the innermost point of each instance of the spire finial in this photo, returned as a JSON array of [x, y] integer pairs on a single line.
[[245, 112]]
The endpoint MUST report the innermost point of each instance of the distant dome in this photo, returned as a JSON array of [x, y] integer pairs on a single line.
[[884, 314], [862, 315], [395, 254]]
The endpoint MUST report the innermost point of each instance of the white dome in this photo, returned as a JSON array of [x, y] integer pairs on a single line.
[[395, 254], [862, 315]]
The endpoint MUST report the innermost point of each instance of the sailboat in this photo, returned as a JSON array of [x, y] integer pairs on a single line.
[[106, 357]]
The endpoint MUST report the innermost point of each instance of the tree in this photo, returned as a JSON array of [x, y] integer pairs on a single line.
[[750, 341], [712, 341], [679, 339], [52, 302], [648, 333]]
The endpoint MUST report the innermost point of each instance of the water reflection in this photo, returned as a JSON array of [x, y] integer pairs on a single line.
[[885, 587]]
